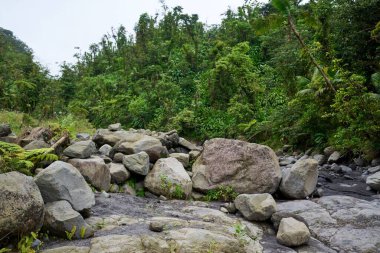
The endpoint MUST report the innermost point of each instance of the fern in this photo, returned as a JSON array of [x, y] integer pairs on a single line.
[[15, 158]]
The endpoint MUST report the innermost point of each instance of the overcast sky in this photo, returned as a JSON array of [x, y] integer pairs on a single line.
[[53, 28]]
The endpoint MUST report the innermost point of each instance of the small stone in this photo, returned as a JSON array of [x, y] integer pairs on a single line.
[[334, 157], [83, 136], [156, 226], [231, 208], [162, 197], [118, 158], [345, 169], [105, 149], [223, 209], [104, 194]]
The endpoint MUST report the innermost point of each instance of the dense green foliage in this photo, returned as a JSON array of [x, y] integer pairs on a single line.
[[306, 75]]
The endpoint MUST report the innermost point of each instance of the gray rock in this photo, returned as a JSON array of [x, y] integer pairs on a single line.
[[62, 181], [36, 144], [119, 174], [292, 232], [80, 149], [246, 167], [83, 136], [334, 157], [374, 169], [105, 136], [300, 180], [95, 171], [114, 127], [375, 162], [328, 151], [187, 144], [118, 158], [60, 217], [359, 161], [231, 208], [182, 158], [21, 205], [194, 155], [321, 159], [256, 207], [136, 143], [278, 216], [169, 178], [114, 188], [169, 139], [345, 170], [105, 149], [126, 188], [373, 181], [68, 249], [156, 226], [137, 163], [5, 130]]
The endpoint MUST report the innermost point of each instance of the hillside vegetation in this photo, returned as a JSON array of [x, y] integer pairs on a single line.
[[281, 73]]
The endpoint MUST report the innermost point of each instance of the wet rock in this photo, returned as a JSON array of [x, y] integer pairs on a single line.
[[169, 178], [119, 174], [300, 180], [137, 163], [95, 171], [374, 169], [246, 167], [292, 232], [256, 207], [81, 149], [21, 205], [105, 149], [62, 181], [373, 181], [60, 217]]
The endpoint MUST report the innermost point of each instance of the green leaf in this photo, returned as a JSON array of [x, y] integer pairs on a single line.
[[281, 5]]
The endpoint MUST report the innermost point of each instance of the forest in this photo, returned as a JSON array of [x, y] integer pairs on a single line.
[[302, 74]]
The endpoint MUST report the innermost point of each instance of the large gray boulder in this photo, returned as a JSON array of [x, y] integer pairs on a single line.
[[5, 130], [300, 180], [246, 167], [373, 181], [292, 232], [135, 143], [137, 163], [80, 149], [256, 207], [169, 178], [62, 181], [61, 218], [119, 174], [95, 171], [21, 205]]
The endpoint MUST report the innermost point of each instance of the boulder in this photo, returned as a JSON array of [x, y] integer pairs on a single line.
[[182, 158], [80, 149], [373, 181], [278, 216], [62, 181], [168, 178], [5, 130], [321, 159], [105, 136], [137, 163], [292, 232], [118, 158], [21, 205], [95, 171], [194, 155], [61, 218], [36, 144], [256, 207], [300, 180], [114, 127], [119, 174], [105, 149], [246, 167], [334, 157], [136, 143]]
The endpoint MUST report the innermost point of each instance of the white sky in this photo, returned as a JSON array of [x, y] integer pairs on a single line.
[[52, 28]]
